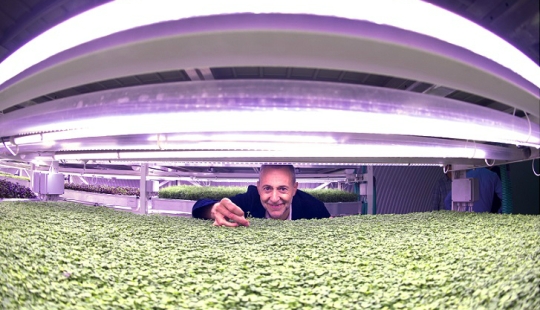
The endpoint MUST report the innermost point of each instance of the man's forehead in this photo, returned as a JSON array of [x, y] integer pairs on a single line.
[[270, 174]]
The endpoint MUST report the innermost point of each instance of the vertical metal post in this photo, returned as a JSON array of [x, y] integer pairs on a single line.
[[143, 189], [32, 179], [455, 175], [370, 197], [53, 168], [54, 183]]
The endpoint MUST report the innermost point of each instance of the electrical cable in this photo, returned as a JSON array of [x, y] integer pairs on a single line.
[[445, 169], [536, 174]]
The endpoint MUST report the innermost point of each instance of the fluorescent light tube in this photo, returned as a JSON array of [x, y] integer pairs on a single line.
[[288, 151], [266, 111], [411, 15], [285, 137], [29, 139], [313, 120], [85, 156]]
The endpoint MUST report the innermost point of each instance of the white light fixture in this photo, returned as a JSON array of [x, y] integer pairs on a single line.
[[291, 151], [85, 156], [38, 162], [247, 137], [257, 164], [71, 145], [44, 158], [313, 121], [29, 139], [34, 139], [199, 179], [319, 152], [411, 15]]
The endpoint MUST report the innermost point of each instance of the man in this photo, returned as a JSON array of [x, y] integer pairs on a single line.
[[497, 202], [276, 196], [441, 189], [488, 183]]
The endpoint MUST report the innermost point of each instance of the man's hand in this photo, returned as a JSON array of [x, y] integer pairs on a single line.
[[226, 213]]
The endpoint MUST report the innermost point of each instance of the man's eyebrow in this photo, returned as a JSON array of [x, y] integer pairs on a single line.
[[279, 186]]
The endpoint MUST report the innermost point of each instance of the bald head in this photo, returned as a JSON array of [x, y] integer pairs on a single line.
[[289, 169]]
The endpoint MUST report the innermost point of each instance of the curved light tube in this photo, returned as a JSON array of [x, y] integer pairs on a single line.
[[202, 179], [368, 151], [346, 146], [416, 16], [268, 107], [364, 146]]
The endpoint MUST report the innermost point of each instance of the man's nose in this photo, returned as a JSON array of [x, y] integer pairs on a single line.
[[275, 196]]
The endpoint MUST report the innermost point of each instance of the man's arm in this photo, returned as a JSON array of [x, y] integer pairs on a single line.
[[201, 209], [205, 212]]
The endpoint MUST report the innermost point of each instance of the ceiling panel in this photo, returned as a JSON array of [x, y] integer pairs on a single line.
[[5, 21], [517, 21], [14, 9], [278, 72], [55, 16]]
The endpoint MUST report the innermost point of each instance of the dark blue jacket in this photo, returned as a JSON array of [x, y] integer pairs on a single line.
[[304, 206]]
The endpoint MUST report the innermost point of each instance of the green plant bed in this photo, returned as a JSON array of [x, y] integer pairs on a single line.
[[13, 190], [12, 176], [104, 189], [332, 195], [189, 192], [65, 255]]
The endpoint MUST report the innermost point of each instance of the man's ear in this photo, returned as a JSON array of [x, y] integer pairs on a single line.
[[295, 186]]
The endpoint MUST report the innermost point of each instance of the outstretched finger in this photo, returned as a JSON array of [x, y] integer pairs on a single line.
[[233, 212], [223, 214], [232, 207], [220, 220]]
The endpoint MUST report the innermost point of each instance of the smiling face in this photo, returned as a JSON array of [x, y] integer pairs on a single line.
[[276, 187]]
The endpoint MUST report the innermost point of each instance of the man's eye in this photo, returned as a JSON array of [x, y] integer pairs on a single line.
[[283, 189]]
